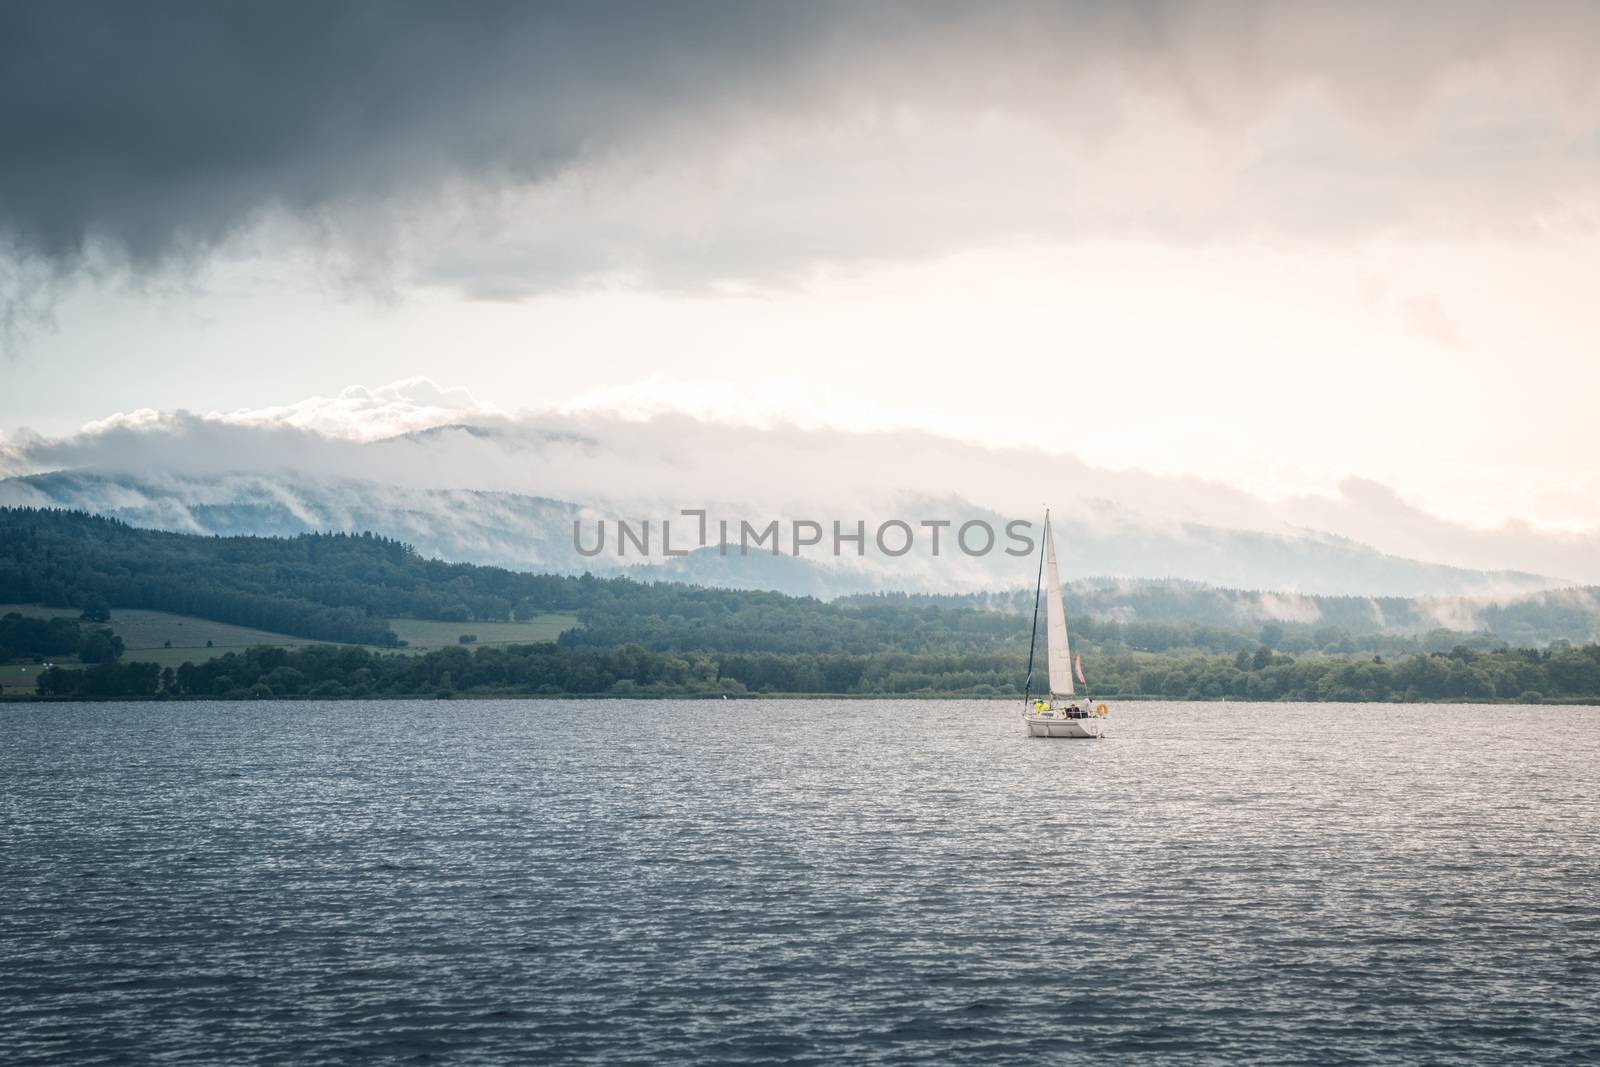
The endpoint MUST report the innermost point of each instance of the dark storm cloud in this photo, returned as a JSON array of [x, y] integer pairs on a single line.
[[158, 127], [148, 133]]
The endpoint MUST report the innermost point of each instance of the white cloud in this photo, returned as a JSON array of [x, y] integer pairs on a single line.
[[362, 414], [356, 414]]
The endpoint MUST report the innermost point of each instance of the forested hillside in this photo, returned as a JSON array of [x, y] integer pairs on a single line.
[[534, 533], [336, 587], [670, 638], [342, 587]]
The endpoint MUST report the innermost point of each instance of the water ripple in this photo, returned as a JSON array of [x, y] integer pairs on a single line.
[[806, 882]]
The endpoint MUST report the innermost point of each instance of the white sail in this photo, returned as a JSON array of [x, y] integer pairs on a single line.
[[1056, 618]]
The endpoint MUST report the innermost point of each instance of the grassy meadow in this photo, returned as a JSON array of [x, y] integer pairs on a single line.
[[431, 633], [169, 640], [18, 677]]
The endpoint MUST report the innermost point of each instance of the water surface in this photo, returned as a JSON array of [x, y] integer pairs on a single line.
[[690, 882]]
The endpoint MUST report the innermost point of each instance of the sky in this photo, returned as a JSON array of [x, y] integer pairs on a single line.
[[1298, 252]]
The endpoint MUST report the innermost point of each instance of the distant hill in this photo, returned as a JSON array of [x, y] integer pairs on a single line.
[[347, 587], [671, 639], [530, 533]]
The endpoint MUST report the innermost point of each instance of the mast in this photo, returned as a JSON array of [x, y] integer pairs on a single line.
[[1033, 639], [1060, 656]]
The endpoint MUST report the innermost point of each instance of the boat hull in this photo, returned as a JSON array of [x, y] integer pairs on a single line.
[[1077, 728]]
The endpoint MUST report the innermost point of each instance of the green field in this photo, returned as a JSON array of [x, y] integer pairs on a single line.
[[146, 634], [431, 633], [18, 677]]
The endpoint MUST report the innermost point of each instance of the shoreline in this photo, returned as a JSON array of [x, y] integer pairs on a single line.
[[1571, 702]]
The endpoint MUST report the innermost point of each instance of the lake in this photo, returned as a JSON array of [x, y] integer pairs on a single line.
[[800, 881]]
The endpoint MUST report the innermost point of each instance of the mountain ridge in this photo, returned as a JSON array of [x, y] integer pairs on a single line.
[[526, 531]]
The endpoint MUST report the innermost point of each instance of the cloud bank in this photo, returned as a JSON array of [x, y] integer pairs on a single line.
[[417, 436]]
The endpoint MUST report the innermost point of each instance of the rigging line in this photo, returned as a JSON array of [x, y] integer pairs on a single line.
[[1033, 640]]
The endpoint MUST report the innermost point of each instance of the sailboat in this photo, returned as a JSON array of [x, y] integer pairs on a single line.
[[1057, 711]]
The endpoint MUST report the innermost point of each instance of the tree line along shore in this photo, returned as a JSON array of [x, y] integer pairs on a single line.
[[664, 639], [1568, 675]]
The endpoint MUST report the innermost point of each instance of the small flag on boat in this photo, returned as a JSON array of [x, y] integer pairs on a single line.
[[1077, 662]]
